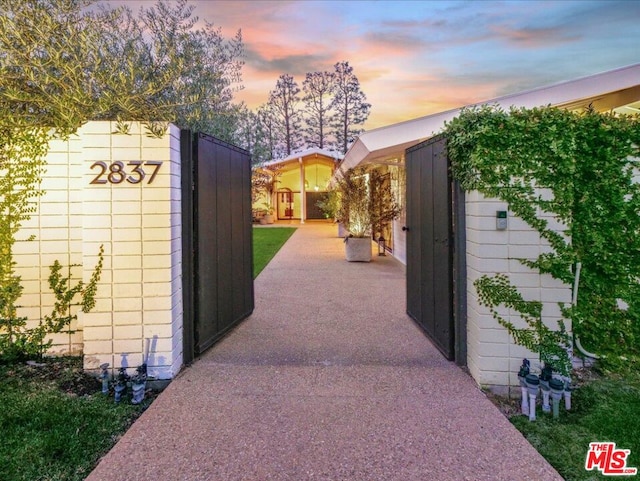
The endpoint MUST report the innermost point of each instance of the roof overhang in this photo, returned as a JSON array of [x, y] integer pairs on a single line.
[[327, 156], [605, 91]]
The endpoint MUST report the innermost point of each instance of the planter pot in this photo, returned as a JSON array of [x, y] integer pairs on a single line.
[[263, 221], [269, 219], [358, 249]]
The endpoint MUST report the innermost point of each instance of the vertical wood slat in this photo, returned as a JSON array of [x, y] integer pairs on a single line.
[[429, 243], [221, 251]]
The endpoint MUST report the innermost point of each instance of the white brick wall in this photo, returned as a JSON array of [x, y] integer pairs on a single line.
[[57, 229], [492, 357], [139, 304]]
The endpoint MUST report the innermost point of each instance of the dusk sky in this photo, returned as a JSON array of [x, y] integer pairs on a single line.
[[414, 58]]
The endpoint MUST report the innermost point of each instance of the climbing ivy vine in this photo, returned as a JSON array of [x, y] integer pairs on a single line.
[[576, 171]]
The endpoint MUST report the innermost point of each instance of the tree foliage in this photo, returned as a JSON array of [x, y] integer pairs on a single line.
[[578, 171], [334, 110], [255, 133], [63, 63], [365, 201], [318, 88], [350, 106], [283, 105], [47, 65]]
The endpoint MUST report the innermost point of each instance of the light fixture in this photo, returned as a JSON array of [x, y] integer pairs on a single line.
[[381, 246]]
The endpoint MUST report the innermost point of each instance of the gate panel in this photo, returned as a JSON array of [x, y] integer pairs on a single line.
[[221, 254], [442, 249], [429, 236], [206, 245], [222, 257]]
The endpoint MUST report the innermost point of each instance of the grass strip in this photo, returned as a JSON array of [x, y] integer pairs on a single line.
[[267, 241], [49, 433], [605, 410], [55, 426]]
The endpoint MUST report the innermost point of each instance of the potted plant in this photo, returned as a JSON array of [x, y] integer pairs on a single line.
[[365, 202], [384, 204], [263, 184], [330, 207], [268, 217]]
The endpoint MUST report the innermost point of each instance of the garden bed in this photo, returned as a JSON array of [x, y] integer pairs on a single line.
[[55, 421]]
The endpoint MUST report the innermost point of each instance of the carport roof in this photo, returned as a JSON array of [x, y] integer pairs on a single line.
[[614, 89]]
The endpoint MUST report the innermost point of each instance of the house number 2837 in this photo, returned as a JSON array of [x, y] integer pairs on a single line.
[[116, 172]]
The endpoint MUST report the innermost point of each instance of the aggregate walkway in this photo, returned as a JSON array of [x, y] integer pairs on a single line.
[[328, 380]]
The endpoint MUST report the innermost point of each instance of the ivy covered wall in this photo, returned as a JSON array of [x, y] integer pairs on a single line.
[[567, 180]]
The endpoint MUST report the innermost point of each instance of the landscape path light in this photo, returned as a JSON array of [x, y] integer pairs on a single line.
[[533, 385]]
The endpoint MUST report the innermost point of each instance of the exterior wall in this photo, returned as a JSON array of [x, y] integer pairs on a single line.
[[56, 228], [290, 179], [492, 357], [400, 189], [139, 299], [399, 240]]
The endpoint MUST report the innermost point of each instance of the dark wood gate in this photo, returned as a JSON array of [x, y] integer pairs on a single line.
[[217, 240], [436, 278]]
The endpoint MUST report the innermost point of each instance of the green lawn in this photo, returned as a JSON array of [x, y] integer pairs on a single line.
[[605, 410], [54, 422], [52, 429], [267, 241]]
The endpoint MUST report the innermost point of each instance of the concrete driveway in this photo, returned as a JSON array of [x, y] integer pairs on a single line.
[[328, 379]]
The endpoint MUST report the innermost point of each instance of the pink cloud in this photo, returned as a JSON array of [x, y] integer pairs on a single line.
[[414, 59], [533, 37]]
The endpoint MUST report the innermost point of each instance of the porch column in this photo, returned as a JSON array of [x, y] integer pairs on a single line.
[[303, 193]]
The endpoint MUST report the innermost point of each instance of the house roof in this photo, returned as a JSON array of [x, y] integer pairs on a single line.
[[305, 154], [614, 89]]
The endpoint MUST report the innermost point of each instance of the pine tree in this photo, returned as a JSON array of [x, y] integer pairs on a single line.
[[350, 106], [250, 135], [318, 88], [283, 103], [273, 137]]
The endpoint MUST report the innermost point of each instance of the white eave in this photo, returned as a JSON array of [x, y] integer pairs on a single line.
[[605, 91], [295, 156]]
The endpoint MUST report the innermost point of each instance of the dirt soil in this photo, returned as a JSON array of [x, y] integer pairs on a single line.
[[64, 372]]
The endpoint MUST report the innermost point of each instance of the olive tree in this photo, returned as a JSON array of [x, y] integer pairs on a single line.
[[65, 62]]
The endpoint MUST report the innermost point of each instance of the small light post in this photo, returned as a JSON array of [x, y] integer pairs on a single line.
[[533, 385], [522, 374], [381, 246], [120, 387], [557, 388], [104, 376]]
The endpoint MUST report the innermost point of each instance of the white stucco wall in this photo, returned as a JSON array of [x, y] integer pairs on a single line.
[[139, 299], [399, 240], [492, 357]]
